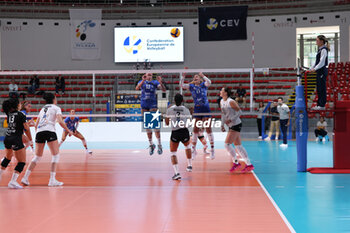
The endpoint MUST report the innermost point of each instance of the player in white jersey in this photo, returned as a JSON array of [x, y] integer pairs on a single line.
[[46, 132], [178, 116], [230, 115]]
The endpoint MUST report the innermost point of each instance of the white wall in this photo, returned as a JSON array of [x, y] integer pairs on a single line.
[[47, 47]]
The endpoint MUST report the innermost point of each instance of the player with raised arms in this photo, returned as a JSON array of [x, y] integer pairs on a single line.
[[46, 132], [149, 103], [230, 115], [198, 87], [72, 124], [178, 116], [17, 122]]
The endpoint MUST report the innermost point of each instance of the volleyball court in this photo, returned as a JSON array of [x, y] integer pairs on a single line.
[[131, 190]]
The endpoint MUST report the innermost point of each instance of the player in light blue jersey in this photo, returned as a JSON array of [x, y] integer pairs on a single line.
[[198, 87], [72, 124], [148, 89]]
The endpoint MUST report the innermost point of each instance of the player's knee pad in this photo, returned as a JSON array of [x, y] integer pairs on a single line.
[[20, 167], [36, 159], [55, 158], [5, 162], [173, 153], [188, 146]]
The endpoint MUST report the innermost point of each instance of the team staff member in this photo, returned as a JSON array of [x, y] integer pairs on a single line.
[[284, 114]]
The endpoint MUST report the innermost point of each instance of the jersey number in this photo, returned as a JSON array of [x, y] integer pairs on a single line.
[[11, 119]]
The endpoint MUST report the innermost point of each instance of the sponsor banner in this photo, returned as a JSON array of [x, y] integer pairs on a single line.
[[128, 104], [149, 44], [223, 23], [85, 33]]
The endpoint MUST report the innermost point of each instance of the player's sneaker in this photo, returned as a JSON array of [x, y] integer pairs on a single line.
[[235, 166], [267, 139], [25, 181], [212, 154], [14, 185], [176, 176], [248, 168], [160, 149], [205, 150], [284, 145], [55, 183], [189, 168], [88, 152], [151, 149], [194, 153]]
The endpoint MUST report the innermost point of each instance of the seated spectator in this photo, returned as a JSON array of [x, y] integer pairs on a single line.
[[275, 122], [13, 89], [34, 85], [321, 131], [60, 84], [241, 95]]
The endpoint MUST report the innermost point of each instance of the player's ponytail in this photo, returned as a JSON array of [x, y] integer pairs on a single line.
[[325, 41], [10, 105], [178, 99]]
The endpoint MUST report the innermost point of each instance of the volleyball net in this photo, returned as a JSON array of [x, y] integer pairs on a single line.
[[110, 95]]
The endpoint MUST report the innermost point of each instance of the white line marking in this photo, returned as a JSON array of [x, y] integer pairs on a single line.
[[275, 205]]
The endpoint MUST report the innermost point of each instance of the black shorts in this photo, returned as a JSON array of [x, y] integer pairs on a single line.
[[237, 128], [13, 142], [45, 136], [180, 135]]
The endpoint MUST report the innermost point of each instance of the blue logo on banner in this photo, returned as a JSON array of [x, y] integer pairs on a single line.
[[151, 120]]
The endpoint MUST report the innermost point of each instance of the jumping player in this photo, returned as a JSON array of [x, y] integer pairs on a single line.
[[25, 109], [199, 88], [46, 132], [230, 115], [177, 115], [72, 124], [13, 140], [149, 102]]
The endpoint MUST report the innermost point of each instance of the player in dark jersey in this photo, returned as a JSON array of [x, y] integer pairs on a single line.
[[13, 140], [72, 124], [178, 116], [198, 88], [25, 109], [149, 102]]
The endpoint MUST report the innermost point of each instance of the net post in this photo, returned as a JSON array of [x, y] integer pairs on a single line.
[[301, 128], [180, 85], [93, 92]]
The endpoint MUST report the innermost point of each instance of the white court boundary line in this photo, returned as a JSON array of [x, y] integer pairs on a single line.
[[275, 205]]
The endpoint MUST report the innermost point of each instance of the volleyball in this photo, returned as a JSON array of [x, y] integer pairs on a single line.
[[175, 32]]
